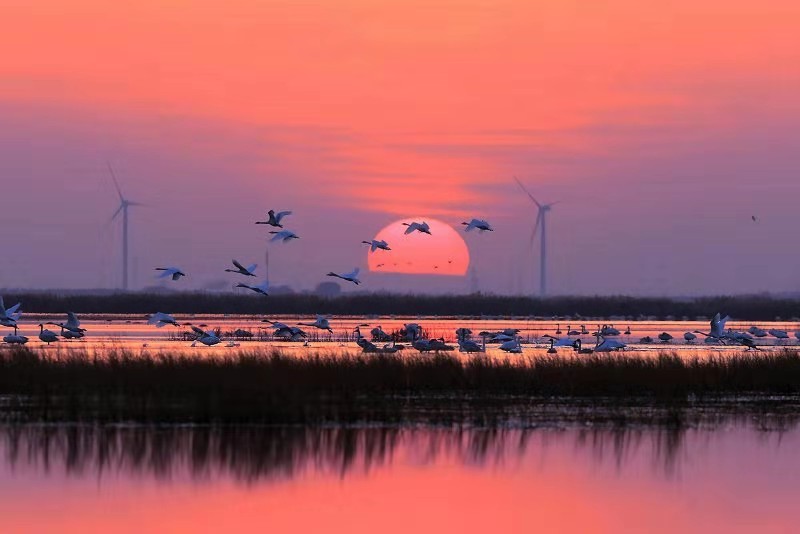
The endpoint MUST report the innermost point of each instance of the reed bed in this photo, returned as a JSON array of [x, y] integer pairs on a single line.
[[743, 307], [268, 386]]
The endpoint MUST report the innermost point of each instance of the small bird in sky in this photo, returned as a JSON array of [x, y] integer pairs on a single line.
[[422, 228], [755, 219], [284, 235], [480, 224], [172, 272], [349, 277], [375, 245], [262, 288], [241, 269], [274, 219]]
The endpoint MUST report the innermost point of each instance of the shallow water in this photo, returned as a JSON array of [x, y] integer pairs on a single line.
[[132, 332], [732, 478]]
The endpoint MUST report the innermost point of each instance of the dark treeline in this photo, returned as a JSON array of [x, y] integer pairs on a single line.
[[755, 308], [265, 386]]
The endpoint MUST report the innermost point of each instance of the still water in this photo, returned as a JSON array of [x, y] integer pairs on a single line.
[[736, 476]]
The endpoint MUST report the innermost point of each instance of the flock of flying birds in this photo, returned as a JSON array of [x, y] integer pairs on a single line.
[[285, 236]]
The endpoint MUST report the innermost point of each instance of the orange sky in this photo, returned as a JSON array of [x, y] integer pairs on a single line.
[[377, 106]]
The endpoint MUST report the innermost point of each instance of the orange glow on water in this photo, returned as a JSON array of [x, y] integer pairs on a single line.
[[443, 252]]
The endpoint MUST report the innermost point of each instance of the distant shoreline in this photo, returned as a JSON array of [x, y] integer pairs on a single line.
[[743, 308]]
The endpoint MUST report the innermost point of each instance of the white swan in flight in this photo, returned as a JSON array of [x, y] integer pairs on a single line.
[[418, 227], [162, 319], [170, 272], [73, 324], [10, 316], [206, 337], [283, 235], [262, 288], [322, 323], [480, 224], [47, 336], [348, 277], [274, 219], [241, 269], [375, 245]]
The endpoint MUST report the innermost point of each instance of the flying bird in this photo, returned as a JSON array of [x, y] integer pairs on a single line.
[[349, 277], [172, 272], [162, 319], [418, 227], [207, 338], [10, 316], [322, 323], [73, 324], [480, 224], [283, 235], [274, 219], [375, 245], [262, 288], [240, 269]]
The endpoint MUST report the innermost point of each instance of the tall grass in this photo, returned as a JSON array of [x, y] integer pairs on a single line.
[[754, 307], [267, 386]]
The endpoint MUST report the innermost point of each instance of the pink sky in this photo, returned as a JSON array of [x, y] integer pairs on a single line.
[[662, 129]]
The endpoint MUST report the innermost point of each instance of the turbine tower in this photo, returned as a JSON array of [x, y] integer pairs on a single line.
[[540, 226], [124, 204]]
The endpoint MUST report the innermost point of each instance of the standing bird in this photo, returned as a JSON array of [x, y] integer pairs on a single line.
[[46, 335], [480, 224], [172, 272], [274, 219], [240, 269], [262, 288], [283, 235], [375, 245], [422, 228], [349, 277]]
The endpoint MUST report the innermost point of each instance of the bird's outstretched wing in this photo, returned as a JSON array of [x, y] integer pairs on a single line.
[[238, 265]]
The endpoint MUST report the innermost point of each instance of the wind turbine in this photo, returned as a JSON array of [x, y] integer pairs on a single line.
[[124, 204], [541, 223]]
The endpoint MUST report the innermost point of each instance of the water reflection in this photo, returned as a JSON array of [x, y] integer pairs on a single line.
[[250, 454]]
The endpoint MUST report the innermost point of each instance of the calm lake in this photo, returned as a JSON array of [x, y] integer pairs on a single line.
[[737, 476]]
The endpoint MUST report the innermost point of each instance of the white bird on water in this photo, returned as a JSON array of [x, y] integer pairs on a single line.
[[274, 219], [322, 323], [262, 288], [480, 224], [779, 334], [162, 319], [349, 277], [170, 272], [47, 336], [513, 346], [283, 235], [417, 227], [15, 338], [241, 269], [375, 245], [608, 345]]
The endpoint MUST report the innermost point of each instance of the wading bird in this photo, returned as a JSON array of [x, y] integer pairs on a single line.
[[284, 235], [422, 228], [348, 277], [480, 224], [262, 288], [375, 245], [241, 269], [172, 272], [46, 335], [274, 219]]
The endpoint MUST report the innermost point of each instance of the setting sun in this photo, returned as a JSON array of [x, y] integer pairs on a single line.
[[442, 252]]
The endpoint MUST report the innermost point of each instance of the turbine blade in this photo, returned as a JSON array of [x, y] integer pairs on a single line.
[[119, 209], [536, 227], [527, 192], [116, 184]]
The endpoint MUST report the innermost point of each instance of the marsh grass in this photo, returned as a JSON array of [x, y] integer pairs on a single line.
[[269, 386]]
